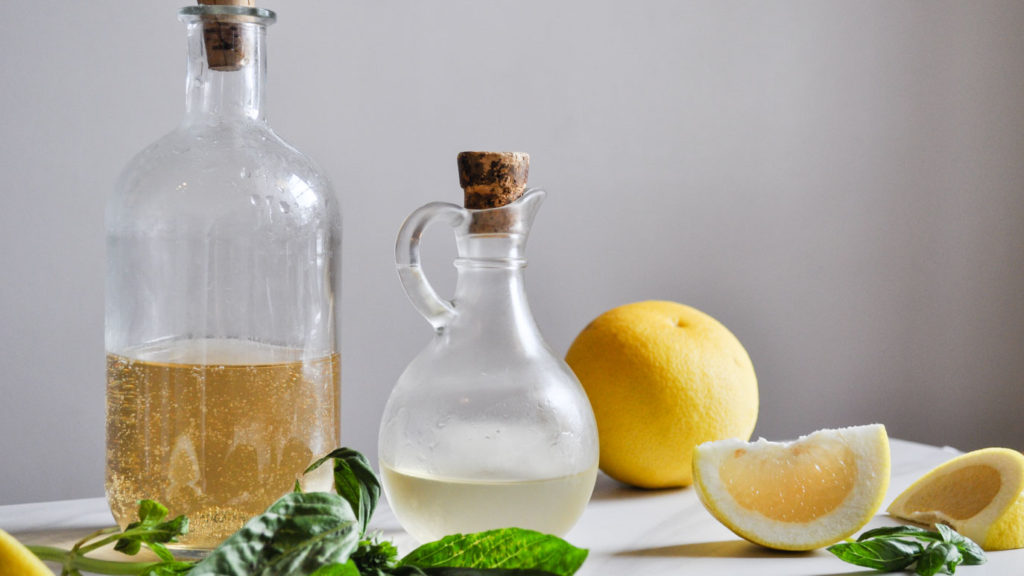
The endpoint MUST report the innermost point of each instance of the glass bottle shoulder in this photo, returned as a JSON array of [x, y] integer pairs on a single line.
[[222, 171]]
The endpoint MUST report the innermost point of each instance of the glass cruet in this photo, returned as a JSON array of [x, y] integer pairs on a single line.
[[486, 428], [223, 260]]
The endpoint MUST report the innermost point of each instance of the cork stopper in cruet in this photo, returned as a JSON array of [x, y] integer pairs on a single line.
[[492, 179], [226, 46]]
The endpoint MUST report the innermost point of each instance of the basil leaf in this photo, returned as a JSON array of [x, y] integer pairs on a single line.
[[507, 548], [897, 531], [402, 571], [449, 571], [880, 554], [374, 557], [173, 568], [161, 551], [953, 558], [971, 552], [346, 569], [151, 512], [938, 557], [355, 481], [151, 530], [298, 535], [947, 534]]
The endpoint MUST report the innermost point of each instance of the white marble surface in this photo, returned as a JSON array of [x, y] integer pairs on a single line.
[[627, 531]]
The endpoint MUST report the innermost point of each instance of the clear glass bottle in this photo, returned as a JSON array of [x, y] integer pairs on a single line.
[[223, 247], [486, 428]]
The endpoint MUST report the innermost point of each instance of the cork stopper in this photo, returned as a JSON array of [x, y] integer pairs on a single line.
[[492, 179], [226, 45]]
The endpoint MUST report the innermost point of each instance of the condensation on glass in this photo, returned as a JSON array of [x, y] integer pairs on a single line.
[[223, 262], [486, 428]]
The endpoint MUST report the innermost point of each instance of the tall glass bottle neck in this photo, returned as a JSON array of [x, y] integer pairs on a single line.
[[232, 93]]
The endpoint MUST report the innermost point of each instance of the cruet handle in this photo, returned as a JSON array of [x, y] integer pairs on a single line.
[[437, 311]]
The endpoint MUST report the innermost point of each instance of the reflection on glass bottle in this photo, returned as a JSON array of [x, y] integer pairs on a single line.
[[486, 428], [223, 247]]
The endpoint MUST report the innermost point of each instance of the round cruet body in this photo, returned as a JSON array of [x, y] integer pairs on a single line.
[[223, 260], [486, 428]]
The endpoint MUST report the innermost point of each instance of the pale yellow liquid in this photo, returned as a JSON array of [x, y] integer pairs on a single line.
[[432, 507], [218, 440]]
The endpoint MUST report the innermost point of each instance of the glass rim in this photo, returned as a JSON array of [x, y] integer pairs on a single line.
[[259, 15]]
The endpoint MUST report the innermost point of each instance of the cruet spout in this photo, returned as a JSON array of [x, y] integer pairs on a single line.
[[529, 204]]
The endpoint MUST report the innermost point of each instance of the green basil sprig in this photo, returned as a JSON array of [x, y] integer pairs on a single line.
[[895, 548], [298, 534], [152, 530], [324, 534], [355, 481]]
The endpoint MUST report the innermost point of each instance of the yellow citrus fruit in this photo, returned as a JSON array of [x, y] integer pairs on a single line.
[[797, 495], [16, 559], [662, 377], [979, 494]]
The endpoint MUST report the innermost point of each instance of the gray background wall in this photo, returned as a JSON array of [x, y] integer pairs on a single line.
[[841, 184]]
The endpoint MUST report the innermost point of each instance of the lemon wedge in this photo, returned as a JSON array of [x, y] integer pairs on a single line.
[[979, 494], [16, 559], [798, 495]]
